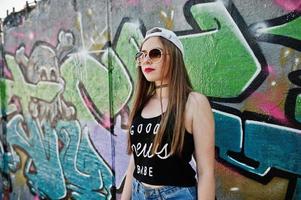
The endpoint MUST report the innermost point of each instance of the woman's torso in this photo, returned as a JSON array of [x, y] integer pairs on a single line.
[[160, 168]]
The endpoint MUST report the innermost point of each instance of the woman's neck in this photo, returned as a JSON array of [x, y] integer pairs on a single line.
[[161, 91]]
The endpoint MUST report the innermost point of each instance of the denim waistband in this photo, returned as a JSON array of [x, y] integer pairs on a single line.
[[138, 186], [161, 192]]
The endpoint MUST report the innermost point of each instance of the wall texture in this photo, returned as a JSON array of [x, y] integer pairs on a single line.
[[68, 75]]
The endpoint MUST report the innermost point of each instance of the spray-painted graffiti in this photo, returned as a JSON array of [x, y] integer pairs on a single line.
[[66, 98], [289, 5], [90, 178], [75, 165], [43, 157], [216, 24]]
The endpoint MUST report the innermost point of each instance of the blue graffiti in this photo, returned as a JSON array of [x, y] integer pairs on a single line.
[[9, 161], [224, 139], [50, 172], [271, 145], [41, 146], [274, 146], [86, 173]]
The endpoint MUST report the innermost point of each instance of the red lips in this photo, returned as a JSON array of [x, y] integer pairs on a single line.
[[148, 70]]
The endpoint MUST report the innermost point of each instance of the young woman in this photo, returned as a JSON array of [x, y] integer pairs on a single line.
[[168, 124]]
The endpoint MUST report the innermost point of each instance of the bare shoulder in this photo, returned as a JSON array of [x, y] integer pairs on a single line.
[[197, 100], [197, 109]]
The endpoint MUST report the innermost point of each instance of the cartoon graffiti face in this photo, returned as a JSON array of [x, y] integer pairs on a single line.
[[42, 65]]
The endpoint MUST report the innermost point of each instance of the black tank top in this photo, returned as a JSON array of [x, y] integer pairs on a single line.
[[160, 168]]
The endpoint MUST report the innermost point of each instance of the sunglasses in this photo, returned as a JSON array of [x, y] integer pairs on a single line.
[[155, 55]]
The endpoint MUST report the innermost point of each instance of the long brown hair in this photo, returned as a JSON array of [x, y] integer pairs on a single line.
[[172, 121]]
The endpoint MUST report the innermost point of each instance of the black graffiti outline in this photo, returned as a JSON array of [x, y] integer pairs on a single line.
[[290, 103], [278, 39]]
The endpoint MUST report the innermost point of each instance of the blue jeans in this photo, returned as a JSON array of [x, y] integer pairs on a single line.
[[141, 192]]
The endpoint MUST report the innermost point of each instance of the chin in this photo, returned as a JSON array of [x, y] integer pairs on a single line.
[[151, 78]]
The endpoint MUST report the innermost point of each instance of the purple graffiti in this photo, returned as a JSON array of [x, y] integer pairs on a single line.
[[289, 5], [167, 2], [133, 2]]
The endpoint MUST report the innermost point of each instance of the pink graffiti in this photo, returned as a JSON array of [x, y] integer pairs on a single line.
[[266, 105], [12, 48], [21, 35], [289, 5], [31, 35], [88, 103], [167, 2], [273, 110], [18, 35], [7, 73], [106, 123], [270, 70], [28, 39], [133, 2], [36, 197], [105, 119]]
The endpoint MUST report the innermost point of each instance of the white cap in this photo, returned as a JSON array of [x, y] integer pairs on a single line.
[[167, 34]]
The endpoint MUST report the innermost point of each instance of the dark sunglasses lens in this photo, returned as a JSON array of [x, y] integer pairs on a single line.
[[155, 55]]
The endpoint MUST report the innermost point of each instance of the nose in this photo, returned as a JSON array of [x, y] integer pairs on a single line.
[[146, 60]]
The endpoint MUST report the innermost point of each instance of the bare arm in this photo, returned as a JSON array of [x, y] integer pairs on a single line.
[[127, 189], [204, 140]]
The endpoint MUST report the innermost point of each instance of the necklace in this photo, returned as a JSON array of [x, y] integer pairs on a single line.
[[161, 86]]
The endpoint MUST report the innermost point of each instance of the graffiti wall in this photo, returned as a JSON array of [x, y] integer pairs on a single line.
[[68, 77]]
